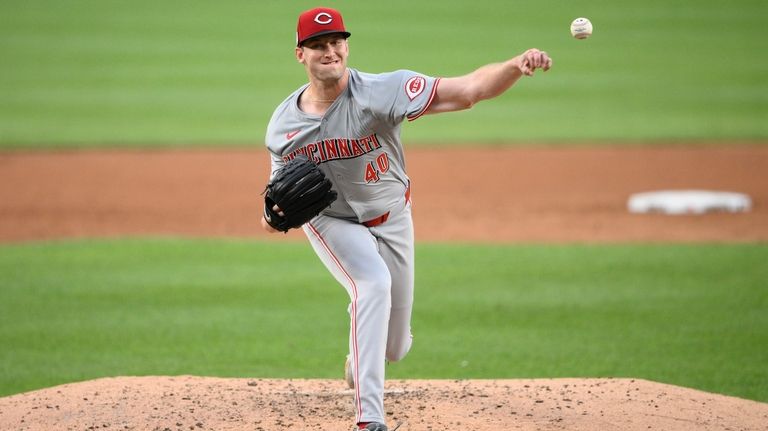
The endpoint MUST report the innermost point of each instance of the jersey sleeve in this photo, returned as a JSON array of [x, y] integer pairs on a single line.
[[403, 94], [271, 142], [275, 163]]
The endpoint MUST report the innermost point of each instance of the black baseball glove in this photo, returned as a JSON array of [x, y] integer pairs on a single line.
[[300, 190]]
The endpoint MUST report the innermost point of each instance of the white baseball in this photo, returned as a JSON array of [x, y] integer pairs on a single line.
[[581, 28]]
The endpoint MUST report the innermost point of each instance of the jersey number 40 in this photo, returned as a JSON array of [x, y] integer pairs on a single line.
[[374, 170]]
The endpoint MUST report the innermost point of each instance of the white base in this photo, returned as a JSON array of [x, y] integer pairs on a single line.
[[688, 202]]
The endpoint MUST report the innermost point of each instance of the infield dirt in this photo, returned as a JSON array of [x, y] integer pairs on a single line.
[[504, 194], [517, 194]]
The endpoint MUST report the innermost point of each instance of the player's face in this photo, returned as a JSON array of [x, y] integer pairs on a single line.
[[324, 57]]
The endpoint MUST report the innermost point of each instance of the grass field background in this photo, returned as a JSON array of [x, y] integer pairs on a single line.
[[146, 73], [91, 72], [689, 315]]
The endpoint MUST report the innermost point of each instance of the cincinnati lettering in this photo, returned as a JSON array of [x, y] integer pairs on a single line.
[[336, 149]]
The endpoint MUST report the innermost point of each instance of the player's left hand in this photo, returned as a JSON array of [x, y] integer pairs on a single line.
[[266, 225], [298, 192], [533, 59]]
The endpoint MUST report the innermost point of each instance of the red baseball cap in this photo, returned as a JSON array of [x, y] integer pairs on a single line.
[[317, 22]]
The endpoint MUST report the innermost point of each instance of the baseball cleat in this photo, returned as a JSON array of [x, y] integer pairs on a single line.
[[374, 426], [349, 375]]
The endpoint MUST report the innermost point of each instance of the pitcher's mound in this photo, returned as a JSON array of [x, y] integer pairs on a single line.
[[198, 403]]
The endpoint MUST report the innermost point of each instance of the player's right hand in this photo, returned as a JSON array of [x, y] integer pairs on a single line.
[[533, 59]]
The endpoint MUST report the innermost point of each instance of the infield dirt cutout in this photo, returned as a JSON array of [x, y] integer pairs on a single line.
[[503, 194]]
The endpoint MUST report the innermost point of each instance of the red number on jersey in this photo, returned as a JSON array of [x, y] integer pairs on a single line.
[[371, 174], [383, 162]]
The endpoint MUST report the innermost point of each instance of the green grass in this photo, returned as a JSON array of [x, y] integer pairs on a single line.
[[91, 73], [695, 316]]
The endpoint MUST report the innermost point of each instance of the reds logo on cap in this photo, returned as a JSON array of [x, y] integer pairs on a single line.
[[323, 18], [317, 22]]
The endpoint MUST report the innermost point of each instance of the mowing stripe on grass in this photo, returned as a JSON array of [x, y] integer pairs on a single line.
[[692, 315], [90, 73]]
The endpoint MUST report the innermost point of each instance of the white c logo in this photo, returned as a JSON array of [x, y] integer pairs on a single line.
[[323, 18]]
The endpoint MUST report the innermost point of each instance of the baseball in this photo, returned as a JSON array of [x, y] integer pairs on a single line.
[[581, 28]]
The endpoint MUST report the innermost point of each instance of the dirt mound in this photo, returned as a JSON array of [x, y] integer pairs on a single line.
[[198, 403], [504, 194]]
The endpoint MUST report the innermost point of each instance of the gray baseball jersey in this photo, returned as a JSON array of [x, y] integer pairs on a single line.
[[357, 142], [357, 145]]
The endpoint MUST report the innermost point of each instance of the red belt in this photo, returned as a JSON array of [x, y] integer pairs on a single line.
[[377, 221], [382, 218]]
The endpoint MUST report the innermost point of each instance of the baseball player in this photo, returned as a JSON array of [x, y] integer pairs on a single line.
[[348, 123]]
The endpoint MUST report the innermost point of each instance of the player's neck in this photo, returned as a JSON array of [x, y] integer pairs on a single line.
[[320, 95], [327, 90]]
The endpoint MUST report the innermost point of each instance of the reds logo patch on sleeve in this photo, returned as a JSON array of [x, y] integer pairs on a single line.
[[415, 86]]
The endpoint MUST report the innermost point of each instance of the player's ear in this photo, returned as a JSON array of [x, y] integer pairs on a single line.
[[299, 55]]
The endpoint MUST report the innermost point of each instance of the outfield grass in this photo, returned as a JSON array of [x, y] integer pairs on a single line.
[[695, 316], [90, 73]]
